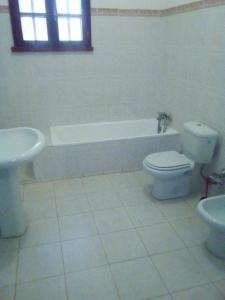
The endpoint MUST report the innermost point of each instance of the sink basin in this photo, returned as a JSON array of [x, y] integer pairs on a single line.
[[17, 146]]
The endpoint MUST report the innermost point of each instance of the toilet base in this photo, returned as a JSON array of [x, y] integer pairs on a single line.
[[216, 243], [172, 187]]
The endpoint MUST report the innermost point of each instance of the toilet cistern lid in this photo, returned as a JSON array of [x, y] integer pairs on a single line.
[[168, 160]]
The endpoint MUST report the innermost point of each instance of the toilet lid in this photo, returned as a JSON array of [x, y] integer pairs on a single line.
[[168, 160]]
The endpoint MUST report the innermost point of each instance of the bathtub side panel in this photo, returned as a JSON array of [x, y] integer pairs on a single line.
[[59, 162]]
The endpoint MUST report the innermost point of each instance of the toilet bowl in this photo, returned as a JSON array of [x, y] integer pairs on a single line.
[[171, 172], [212, 210]]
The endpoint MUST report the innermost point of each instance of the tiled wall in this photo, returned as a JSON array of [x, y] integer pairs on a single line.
[[194, 76], [118, 81], [140, 65]]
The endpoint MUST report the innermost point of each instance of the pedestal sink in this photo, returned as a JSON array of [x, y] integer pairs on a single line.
[[17, 146]]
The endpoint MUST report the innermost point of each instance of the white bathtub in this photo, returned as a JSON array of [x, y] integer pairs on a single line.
[[108, 131], [97, 148]]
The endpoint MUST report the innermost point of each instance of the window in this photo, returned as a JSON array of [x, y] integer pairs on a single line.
[[51, 25]]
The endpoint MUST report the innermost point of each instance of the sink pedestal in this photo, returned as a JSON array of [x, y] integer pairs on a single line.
[[12, 216]]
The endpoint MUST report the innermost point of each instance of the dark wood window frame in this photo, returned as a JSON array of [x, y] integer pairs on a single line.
[[53, 44]]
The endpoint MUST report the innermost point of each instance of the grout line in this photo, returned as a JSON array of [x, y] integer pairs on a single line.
[[108, 263], [99, 267], [16, 279], [18, 251], [36, 280], [194, 287], [219, 291], [60, 245], [102, 266], [139, 235]]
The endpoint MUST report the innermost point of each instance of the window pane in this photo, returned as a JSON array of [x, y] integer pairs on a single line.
[[25, 6], [76, 32], [41, 29], [63, 29], [28, 29], [62, 6], [75, 7], [39, 6]]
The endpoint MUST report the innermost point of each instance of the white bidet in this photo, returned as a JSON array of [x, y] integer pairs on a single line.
[[212, 210]]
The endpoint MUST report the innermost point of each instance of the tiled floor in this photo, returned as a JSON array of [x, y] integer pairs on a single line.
[[106, 238]]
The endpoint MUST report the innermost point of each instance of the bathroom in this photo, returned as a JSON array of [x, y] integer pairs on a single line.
[[93, 228]]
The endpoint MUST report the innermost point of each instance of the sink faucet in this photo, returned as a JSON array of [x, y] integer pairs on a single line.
[[163, 121]]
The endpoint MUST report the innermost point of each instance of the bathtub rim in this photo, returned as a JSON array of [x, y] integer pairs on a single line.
[[170, 131]]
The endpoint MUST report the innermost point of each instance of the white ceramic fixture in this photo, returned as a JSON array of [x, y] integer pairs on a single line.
[[171, 170], [212, 210], [17, 146]]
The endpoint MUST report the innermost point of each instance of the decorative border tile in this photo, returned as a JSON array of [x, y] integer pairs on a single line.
[[192, 7], [148, 12], [158, 13], [4, 9], [126, 12]]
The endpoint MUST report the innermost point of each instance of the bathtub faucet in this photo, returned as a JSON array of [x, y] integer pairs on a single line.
[[163, 121]]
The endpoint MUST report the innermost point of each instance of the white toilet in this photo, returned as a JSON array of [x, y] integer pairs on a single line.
[[212, 210], [171, 170]]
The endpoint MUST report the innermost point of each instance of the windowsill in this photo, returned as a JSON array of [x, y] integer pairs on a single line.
[[51, 49]]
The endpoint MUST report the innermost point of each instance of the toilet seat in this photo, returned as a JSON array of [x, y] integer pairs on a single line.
[[171, 172], [168, 161]]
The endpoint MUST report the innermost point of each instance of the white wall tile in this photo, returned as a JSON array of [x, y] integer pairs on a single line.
[[143, 65], [86, 87]]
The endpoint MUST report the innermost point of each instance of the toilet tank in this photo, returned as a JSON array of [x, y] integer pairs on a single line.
[[199, 142]]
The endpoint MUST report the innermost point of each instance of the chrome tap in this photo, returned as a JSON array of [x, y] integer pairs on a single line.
[[163, 121]]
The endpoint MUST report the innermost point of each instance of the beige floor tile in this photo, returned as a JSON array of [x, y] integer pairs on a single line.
[[123, 245], [46, 289], [8, 265], [39, 232], [205, 292], [145, 215], [83, 254], [138, 279], [78, 226], [39, 262], [7, 293], [160, 238], [179, 270], [193, 231], [93, 284], [213, 266], [112, 220], [73, 205]]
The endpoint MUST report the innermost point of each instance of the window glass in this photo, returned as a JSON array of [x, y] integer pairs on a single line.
[[25, 6], [62, 6], [39, 6], [75, 7], [76, 29], [50, 25], [41, 29], [63, 29], [28, 28]]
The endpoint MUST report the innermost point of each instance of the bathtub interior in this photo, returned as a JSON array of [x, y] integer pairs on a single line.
[[107, 131]]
